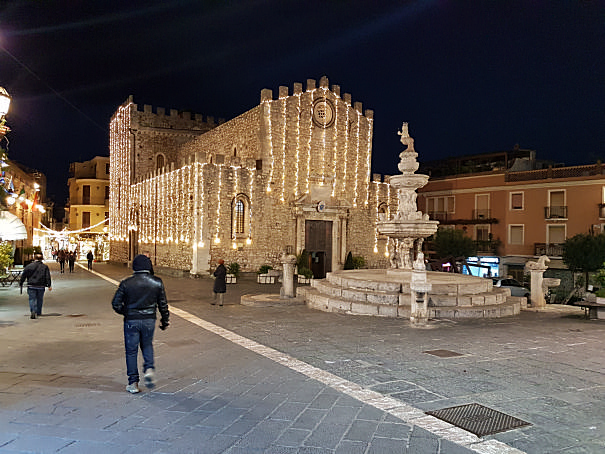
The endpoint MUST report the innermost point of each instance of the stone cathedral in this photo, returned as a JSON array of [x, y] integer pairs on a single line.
[[292, 173]]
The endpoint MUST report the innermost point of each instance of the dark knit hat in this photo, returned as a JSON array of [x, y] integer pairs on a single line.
[[142, 263]]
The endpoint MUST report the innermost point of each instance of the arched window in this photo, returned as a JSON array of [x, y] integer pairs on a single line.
[[382, 212], [240, 216], [159, 161]]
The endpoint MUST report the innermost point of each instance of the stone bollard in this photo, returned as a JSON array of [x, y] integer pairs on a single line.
[[289, 262], [419, 313]]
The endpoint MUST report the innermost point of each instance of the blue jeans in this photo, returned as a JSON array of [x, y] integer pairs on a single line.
[[138, 332], [36, 299]]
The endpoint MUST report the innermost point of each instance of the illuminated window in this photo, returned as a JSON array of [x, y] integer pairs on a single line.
[[240, 213]]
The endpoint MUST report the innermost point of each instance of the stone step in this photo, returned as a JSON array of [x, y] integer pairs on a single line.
[[315, 299]]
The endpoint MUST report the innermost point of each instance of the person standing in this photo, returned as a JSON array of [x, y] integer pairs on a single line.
[[71, 260], [138, 298], [220, 283], [38, 278], [90, 258], [62, 256]]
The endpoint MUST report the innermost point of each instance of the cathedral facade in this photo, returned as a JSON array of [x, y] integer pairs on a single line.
[[292, 173]]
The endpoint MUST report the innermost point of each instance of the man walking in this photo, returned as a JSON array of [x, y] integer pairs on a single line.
[[137, 299], [90, 257], [38, 278]]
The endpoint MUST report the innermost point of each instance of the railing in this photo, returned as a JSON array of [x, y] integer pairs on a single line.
[[555, 212], [484, 213], [438, 215], [483, 246], [557, 172], [551, 250]]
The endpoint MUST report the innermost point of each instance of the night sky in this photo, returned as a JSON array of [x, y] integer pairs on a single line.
[[469, 76]]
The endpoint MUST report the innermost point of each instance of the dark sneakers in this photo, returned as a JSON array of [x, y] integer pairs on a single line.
[[33, 315]]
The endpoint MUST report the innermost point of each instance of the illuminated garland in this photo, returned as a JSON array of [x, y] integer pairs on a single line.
[[283, 159], [217, 239], [368, 161], [335, 149], [356, 193], [270, 133], [251, 177], [297, 164], [346, 154], [310, 129]]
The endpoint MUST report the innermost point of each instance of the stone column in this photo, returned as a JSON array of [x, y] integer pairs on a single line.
[[289, 262], [537, 294]]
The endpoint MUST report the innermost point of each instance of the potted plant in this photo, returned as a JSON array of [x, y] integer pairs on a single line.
[[304, 275], [263, 275], [6, 257], [232, 273]]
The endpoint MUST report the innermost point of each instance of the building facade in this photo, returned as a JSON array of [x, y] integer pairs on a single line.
[[520, 215], [26, 199], [87, 211], [292, 173]]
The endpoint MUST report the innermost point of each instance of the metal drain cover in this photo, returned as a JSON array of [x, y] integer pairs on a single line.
[[443, 353], [478, 419]]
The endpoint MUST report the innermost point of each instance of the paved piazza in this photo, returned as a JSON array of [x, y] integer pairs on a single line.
[[240, 379]]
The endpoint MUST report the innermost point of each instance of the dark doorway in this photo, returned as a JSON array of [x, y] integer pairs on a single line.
[[318, 242]]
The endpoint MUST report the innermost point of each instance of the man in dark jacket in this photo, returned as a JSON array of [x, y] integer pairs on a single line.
[[137, 299], [220, 283], [38, 278]]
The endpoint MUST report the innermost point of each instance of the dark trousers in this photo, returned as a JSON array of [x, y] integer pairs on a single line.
[[90, 264], [138, 333]]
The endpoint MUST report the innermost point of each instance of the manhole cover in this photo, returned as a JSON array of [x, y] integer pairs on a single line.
[[443, 353], [478, 419]]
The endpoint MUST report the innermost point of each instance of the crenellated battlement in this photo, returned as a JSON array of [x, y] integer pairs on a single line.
[[160, 117], [266, 94]]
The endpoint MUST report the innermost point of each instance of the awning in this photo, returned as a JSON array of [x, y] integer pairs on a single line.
[[11, 227]]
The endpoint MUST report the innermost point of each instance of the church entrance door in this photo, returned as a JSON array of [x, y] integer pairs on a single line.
[[318, 243]]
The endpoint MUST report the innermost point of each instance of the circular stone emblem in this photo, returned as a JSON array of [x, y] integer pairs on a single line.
[[323, 113], [321, 206]]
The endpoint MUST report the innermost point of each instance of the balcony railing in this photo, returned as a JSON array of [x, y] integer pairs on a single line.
[[438, 215], [555, 212], [486, 246], [550, 250], [484, 213]]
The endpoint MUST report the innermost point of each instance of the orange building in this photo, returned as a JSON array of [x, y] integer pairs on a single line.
[[519, 215]]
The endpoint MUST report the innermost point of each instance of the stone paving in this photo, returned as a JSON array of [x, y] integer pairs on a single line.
[[239, 379]]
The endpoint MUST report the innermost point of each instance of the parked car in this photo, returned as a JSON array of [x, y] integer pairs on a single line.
[[516, 288]]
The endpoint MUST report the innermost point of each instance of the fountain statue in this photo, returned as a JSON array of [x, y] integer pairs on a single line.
[[409, 227], [406, 289]]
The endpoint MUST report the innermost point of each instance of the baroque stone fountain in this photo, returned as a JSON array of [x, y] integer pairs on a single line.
[[407, 289], [409, 227]]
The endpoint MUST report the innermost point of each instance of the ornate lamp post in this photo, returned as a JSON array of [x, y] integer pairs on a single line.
[[5, 101]]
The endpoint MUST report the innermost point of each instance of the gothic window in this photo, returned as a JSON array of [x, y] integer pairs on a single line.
[[383, 211], [159, 161], [240, 216]]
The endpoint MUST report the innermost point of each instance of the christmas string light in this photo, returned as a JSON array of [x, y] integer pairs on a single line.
[[346, 152], [355, 191], [251, 174], [270, 134], [283, 159], [297, 161], [335, 149], [217, 239], [368, 158]]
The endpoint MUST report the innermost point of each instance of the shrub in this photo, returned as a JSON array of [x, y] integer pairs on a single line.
[[264, 269], [6, 256], [233, 268], [306, 272], [349, 264], [358, 262]]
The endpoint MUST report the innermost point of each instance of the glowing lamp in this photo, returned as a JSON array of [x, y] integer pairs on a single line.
[[5, 102], [248, 240]]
